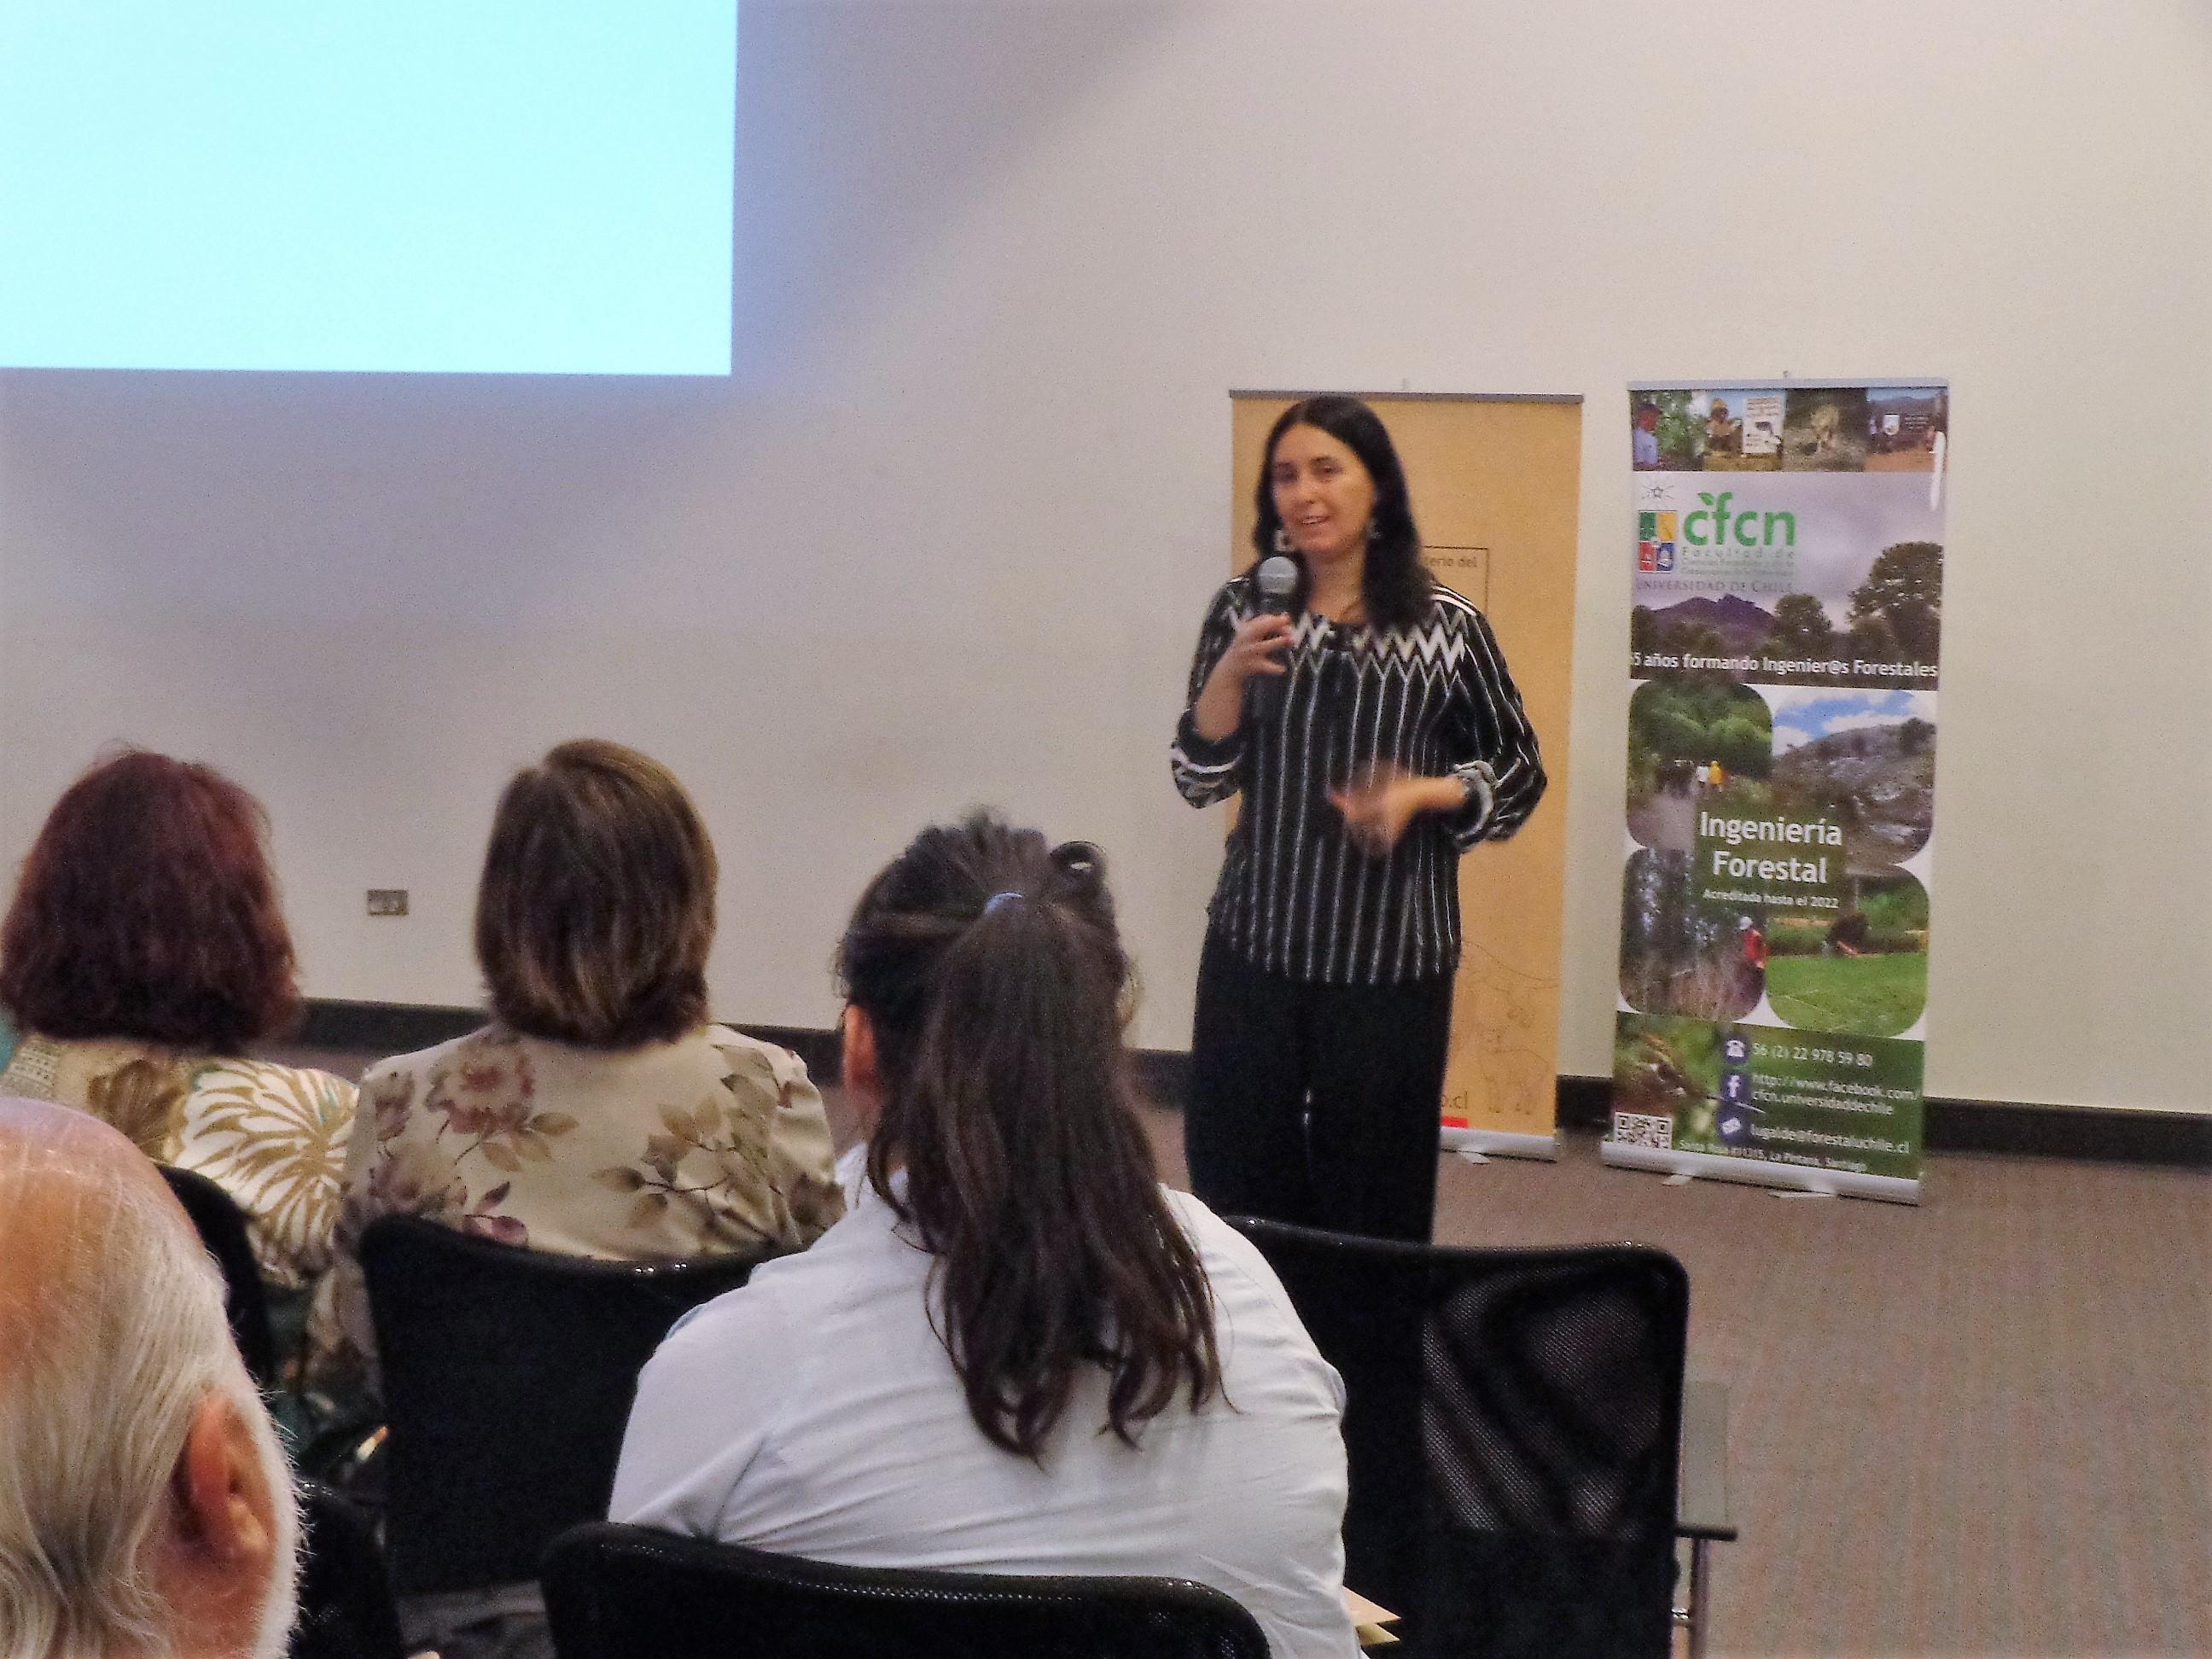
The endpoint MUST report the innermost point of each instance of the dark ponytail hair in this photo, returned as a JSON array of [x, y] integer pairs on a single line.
[[1395, 584], [992, 974]]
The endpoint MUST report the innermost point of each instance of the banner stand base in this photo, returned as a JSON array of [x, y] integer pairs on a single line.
[[1842, 1183], [1499, 1143]]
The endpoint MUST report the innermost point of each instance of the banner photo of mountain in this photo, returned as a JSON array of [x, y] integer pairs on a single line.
[[1777, 862], [1792, 578]]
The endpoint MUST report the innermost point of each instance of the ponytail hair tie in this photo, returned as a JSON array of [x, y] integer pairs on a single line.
[[998, 899], [1081, 862]]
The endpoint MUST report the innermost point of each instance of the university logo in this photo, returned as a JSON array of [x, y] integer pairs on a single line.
[[1655, 541], [1716, 524]]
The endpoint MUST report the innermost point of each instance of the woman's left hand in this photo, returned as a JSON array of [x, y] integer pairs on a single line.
[[1378, 806]]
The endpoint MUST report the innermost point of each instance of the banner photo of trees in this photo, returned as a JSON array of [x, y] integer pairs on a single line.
[[1784, 665]]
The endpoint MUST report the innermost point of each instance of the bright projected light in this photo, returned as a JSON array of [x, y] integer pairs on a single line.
[[472, 187]]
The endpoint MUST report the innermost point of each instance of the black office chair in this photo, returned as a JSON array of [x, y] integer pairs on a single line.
[[617, 1592], [223, 1229], [508, 1379], [1512, 1426], [346, 1609]]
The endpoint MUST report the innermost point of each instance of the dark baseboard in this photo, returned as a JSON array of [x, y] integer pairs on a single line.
[[1585, 1103], [819, 1048], [401, 1028], [388, 1028], [2102, 1133]]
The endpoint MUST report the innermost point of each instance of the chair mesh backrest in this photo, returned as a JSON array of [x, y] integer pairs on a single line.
[[1553, 1392], [508, 1379], [616, 1592], [1513, 1427], [223, 1229]]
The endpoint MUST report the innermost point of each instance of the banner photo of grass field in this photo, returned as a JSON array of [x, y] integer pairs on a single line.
[[1784, 668]]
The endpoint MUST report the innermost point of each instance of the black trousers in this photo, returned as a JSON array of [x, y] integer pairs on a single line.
[[1316, 1104]]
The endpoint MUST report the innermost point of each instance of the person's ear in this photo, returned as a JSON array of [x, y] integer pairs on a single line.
[[862, 1072], [226, 1512]]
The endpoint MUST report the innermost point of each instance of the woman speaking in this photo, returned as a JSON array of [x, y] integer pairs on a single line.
[[1370, 723]]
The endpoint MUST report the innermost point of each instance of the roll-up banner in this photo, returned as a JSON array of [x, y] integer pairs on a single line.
[[1779, 842]]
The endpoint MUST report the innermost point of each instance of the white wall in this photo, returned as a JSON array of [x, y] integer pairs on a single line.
[[945, 535]]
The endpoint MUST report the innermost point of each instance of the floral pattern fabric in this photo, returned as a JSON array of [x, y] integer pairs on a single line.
[[273, 1137], [710, 1144]]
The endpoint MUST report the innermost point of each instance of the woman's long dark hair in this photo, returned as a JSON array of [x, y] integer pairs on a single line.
[[1396, 585], [992, 974]]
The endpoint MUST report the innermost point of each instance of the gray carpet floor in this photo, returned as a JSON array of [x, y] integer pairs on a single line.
[[1979, 1426]]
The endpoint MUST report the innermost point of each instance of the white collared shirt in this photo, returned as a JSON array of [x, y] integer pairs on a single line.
[[815, 1413]]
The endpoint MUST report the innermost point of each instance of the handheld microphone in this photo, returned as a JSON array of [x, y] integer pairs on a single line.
[[1278, 580]]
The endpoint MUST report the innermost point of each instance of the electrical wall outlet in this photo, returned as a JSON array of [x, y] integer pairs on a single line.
[[387, 901]]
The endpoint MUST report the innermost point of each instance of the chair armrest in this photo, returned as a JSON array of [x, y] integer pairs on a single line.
[[1701, 1505]]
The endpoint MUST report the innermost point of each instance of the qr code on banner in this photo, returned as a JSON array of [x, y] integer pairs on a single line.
[[1635, 1129]]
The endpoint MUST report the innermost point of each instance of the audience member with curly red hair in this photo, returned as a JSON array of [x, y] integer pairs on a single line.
[[145, 951]]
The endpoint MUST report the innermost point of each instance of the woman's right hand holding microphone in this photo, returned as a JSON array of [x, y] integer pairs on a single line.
[[1258, 648]]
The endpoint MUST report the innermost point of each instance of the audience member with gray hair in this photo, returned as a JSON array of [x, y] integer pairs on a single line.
[[146, 1509]]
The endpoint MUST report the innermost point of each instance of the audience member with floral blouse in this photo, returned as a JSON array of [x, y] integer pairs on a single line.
[[144, 952], [600, 1114]]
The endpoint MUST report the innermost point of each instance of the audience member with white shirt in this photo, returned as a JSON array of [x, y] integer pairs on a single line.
[[1018, 1352]]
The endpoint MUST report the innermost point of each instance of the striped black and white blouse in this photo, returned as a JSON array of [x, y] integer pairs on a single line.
[[1297, 896]]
